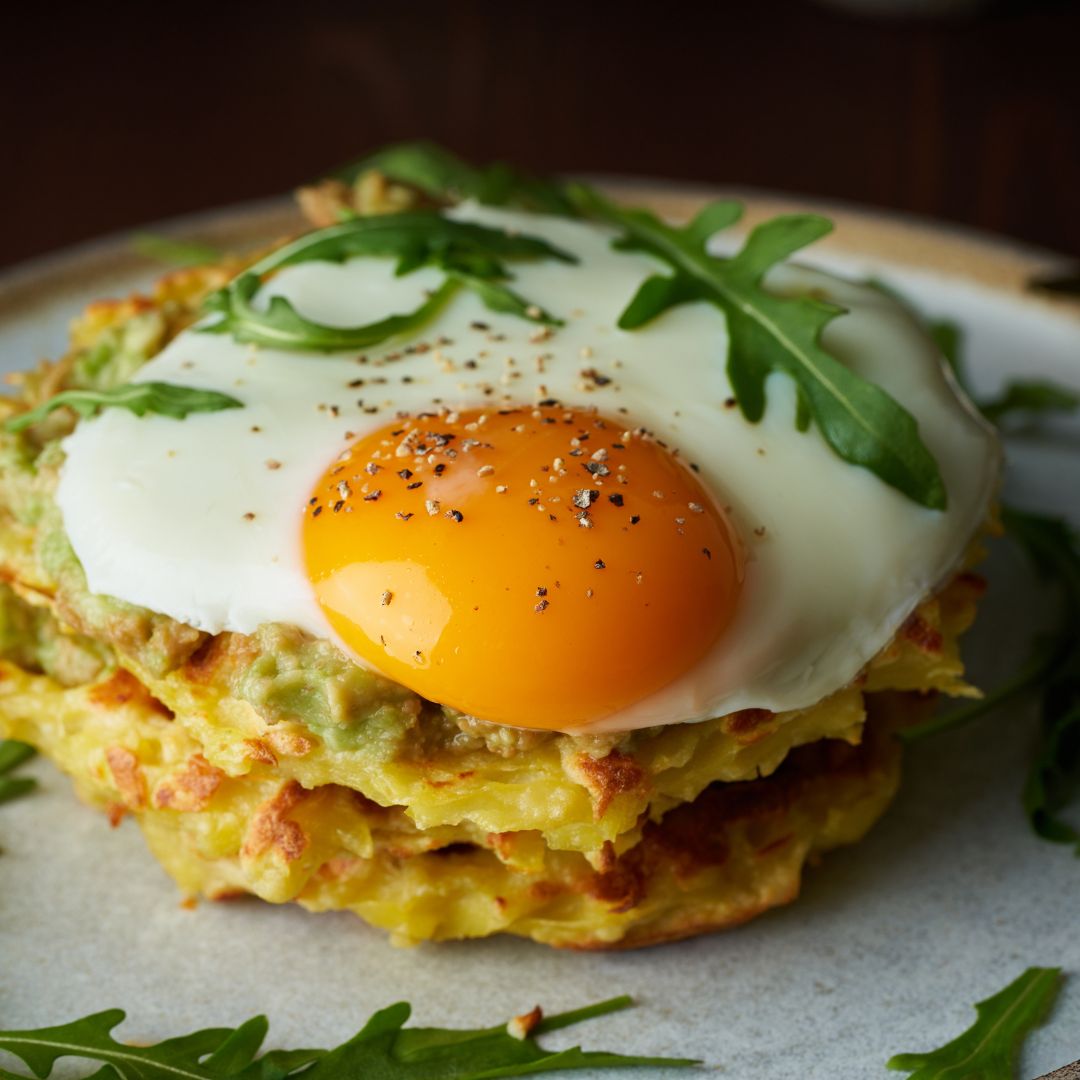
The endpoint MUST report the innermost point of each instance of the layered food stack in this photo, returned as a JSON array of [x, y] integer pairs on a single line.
[[491, 558]]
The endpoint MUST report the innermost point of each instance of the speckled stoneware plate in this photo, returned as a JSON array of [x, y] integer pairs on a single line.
[[948, 898]]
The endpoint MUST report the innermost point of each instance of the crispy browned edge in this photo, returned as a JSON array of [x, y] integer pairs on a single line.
[[693, 836]]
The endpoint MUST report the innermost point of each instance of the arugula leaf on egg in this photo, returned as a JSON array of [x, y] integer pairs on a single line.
[[165, 399], [863, 424], [444, 176], [472, 257]]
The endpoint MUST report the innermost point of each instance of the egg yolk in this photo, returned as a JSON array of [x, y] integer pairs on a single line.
[[537, 567]]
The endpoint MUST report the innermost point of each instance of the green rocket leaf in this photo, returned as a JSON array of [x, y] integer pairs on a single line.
[[1031, 396], [444, 176], [859, 420], [989, 1048], [384, 1049], [165, 399], [1052, 669], [471, 256], [12, 755]]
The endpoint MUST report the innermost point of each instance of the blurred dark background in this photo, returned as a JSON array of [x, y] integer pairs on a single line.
[[113, 117]]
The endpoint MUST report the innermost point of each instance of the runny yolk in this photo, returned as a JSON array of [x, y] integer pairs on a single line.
[[534, 567]]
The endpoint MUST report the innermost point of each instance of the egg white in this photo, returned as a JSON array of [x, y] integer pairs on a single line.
[[158, 510]]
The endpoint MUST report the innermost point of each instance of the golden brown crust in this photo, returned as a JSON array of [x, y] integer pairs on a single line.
[[734, 852], [122, 688], [746, 721], [289, 743], [608, 777], [272, 829], [922, 635], [192, 788], [218, 654], [258, 750], [697, 837], [127, 776]]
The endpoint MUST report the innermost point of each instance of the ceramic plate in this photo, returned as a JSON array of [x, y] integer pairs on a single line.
[[948, 899]]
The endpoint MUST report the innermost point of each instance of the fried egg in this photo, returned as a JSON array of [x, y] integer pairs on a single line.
[[570, 528]]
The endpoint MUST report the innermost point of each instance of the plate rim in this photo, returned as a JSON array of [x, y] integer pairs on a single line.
[[113, 253], [914, 241]]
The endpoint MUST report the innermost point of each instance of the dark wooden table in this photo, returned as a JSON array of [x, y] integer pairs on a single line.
[[111, 119]]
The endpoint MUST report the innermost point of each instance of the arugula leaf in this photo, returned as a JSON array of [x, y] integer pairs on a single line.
[[444, 176], [989, 1048], [166, 399], [415, 239], [91, 1038], [1054, 776], [282, 326], [1031, 396], [383, 1050], [12, 755], [860, 421], [174, 252], [1019, 395], [1053, 780], [470, 255]]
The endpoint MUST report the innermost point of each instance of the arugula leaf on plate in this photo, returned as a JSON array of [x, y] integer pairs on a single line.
[[165, 399], [1026, 396], [1053, 668], [861, 422], [12, 755], [1031, 396], [383, 1048], [989, 1048], [212, 1052], [471, 256], [1053, 780]]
